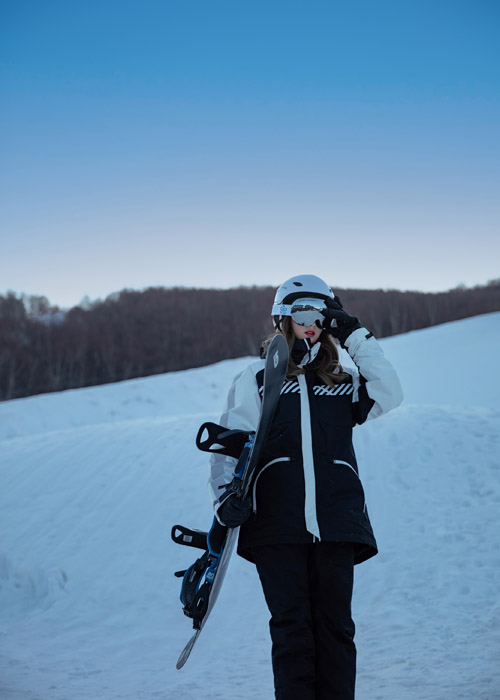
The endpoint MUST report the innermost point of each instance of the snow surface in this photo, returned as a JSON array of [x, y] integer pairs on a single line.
[[92, 480]]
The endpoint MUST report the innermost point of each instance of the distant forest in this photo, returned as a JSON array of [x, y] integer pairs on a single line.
[[140, 333]]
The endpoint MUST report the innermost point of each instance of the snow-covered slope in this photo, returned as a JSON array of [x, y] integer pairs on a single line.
[[92, 480]]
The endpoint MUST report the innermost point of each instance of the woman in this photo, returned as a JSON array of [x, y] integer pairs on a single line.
[[305, 522]]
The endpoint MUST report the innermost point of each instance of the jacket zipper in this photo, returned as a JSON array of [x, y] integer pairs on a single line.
[[273, 461]]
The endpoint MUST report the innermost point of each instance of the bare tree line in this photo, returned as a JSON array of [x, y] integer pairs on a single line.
[[139, 333]]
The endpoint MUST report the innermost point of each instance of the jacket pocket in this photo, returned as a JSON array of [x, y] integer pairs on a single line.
[[346, 464], [266, 466]]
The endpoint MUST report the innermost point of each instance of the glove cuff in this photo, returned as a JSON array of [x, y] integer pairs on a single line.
[[343, 333]]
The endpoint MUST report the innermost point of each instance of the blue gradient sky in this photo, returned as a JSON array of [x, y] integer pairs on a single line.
[[222, 143]]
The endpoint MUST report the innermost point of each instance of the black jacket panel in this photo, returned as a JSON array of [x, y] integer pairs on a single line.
[[279, 485]]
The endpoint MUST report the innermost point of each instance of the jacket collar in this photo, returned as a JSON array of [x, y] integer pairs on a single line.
[[303, 353]]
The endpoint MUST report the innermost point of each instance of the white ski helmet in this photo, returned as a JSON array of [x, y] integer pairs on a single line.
[[298, 287]]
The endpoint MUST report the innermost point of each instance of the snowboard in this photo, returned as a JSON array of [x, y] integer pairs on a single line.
[[220, 541]]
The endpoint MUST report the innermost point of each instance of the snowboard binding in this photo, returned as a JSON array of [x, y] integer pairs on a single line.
[[198, 578]]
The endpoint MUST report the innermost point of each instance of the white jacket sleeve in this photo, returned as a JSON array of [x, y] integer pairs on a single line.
[[377, 389], [241, 412]]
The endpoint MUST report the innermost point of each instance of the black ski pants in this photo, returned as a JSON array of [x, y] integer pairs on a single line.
[[308, 590]]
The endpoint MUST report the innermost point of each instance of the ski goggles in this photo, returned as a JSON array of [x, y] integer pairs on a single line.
[[305, 312]]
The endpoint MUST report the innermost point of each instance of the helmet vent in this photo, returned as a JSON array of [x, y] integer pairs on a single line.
[[298, 284]]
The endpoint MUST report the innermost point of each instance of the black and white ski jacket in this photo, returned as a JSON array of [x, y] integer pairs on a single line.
[[307, 486]]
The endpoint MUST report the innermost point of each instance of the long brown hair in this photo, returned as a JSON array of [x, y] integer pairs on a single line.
[[326, 364]]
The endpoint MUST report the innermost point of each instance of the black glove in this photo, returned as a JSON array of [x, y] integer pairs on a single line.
[[234, 510], [337, 321]]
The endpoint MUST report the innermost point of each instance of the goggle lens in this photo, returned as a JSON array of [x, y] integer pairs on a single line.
[[306, 312]]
